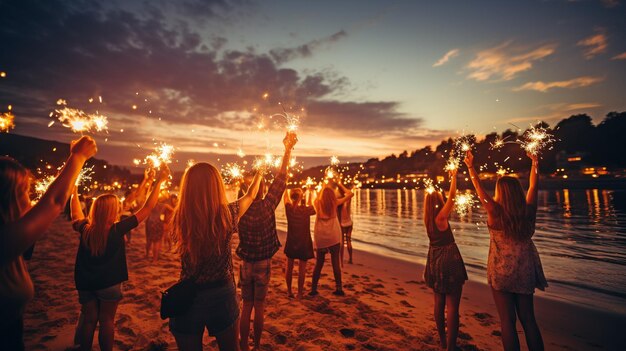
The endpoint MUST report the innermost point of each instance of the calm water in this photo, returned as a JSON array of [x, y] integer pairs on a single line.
[[581, 237]]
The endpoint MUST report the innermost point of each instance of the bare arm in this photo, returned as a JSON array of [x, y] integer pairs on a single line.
[[246, 200], [443, 215], [76, 210], [18, 236], [485, 199], [347, 194], [531, 195], [151, 201]]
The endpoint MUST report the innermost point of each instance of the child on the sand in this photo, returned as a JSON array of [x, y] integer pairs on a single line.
[[513, 267], [327, 233], [299, 244], [101, 262], [445, 271], [21, 225], [203, 227]]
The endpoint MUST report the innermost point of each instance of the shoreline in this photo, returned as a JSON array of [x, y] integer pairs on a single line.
[[387, 307]]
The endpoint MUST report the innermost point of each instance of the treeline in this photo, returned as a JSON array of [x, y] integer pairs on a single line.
[[598, 145]]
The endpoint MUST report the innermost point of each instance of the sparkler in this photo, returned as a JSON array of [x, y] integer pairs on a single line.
[[452, 164], [78, 120], [334, 160], [232, 172], [162, 154], [42, 185], [84, 176], [463, 203], [330, 173], [536, 139], [240, 153], [428, 186], [6, 121]]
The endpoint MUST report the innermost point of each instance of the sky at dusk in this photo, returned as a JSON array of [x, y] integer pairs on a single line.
[[373, 77]]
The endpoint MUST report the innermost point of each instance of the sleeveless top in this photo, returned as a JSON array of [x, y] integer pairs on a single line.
[[327, 232], [440, 238]]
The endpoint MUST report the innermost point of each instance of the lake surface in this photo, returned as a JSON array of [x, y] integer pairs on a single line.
[[581, 237]]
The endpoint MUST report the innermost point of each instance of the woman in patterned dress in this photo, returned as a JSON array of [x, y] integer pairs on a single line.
[[513, 268], [445, 271]]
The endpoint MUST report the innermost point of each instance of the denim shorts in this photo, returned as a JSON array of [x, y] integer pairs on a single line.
[[255, 279], [112, 293], [215, 309]]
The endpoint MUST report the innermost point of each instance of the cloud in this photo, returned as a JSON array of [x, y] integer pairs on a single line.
[[556, 112], [505, 62], [594, 45], [282, 55], [621, 56], [186, 87], [565, 84], [450, 54]]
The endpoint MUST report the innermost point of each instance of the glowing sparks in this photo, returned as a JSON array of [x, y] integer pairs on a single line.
[[334, 160], [137, 161], [240, 153], [429, 187], [3, 74], [232, 172], [7, 121], [498, 143], [309, 182], [84, 176], [452, 164], [42, 185], [463, 203], [162, 154], [265, 96], [501, 172], [536, 139], [190, 163], [78, 120]]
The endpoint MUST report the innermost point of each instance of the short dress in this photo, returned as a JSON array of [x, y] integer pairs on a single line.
[[299, 244], [327, 232], [514, 265], [154, 224], [445, 270]]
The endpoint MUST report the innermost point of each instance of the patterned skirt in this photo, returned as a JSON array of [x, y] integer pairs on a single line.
[[445, 271], [154, 229]]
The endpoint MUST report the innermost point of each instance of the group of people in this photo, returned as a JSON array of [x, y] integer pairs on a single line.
[[514, 268], [202, 223]]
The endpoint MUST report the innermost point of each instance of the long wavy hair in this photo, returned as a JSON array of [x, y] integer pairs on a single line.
[[202, 219], [328, 203], [513, 215], [14, 190], [103, 214], [433, 203]]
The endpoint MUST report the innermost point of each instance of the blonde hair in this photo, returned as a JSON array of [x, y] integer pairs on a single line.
[[202, 218], [328, 203], [511, 201], [103, 214], [14, 190], [433, 203]]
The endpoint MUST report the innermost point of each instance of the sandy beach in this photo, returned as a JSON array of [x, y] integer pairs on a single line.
[[386, 307]]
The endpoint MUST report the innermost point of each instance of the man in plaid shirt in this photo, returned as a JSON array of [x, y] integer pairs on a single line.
[[258, 242]]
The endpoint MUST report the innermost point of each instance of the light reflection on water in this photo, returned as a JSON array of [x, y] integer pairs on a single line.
[[581, 237]]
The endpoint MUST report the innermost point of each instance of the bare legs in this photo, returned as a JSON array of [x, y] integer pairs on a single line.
[[153, 247], [226, 340], [448, 303], [319, 264], [347, 237], [301, 276], [92, 313], [244, 326], [511, 306], [289, 275]]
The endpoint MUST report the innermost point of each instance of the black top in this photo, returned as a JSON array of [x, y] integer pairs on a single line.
[[440, 238], [99, 272]]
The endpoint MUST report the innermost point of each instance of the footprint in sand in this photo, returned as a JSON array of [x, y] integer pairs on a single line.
[[405, 303], [484, 318], [347, 332], [464, 336]]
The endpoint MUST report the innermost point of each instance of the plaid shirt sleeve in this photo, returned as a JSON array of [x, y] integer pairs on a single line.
[[276, 190]]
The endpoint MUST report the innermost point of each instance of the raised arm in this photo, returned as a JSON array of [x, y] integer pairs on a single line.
[[531, 195], [153, 198], [18, 236], [348, 194], [447, 207], [75, 208], [276, 190], [246, 200], [485, 199]]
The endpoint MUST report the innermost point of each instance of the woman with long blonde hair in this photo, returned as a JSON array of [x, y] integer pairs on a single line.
[[101, 261], [203, 225], [445, 271], [22, 225], [514, 268], [327, 234]]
